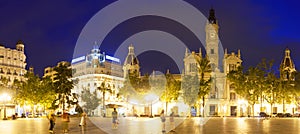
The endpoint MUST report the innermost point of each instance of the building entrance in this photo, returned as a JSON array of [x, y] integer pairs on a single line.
[[233, 110]]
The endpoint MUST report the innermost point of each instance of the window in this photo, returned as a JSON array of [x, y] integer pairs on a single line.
[[212, 110], [8, 71], [212, 51], [232, 96], [232, 67], [193, 67], [213, 95], [231, 87]]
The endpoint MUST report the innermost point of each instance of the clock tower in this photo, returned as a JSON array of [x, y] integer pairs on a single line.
[[212, 40]]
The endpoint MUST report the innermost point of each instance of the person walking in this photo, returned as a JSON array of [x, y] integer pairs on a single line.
[[52, 122], [83, 119], [115, 119], [65, 122], [163, 120], [172, 123]]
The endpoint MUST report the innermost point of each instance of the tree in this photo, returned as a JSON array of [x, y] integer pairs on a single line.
[[63, 86], [244, 84], [136, 87], [171, 91], [272, 93], [91, 100], [269, 84], [4, 87], [190, 89], [127, 90], [46, 88], [296, 89], [204, 67], [28, 92], [104, 88], [287, 92], [34, 91]]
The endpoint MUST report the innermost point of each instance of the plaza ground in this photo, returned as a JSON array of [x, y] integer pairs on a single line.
[[130, 125]]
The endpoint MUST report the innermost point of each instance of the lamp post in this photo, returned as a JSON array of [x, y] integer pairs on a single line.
[[4, 98], [151, 116]]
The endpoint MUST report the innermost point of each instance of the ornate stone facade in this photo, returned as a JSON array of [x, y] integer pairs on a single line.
[[91, 71], [13, 62], [221, 100]]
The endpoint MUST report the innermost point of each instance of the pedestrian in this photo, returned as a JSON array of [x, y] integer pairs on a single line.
[[163, 120], [172, 124], [52, 122], [65, 122], [83, 119], [115, 119]]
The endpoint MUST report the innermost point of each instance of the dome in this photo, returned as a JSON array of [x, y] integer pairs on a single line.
[[131, 59], [20, 42], [287, 61]]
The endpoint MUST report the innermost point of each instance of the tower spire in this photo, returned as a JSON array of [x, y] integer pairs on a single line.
[[186, 52], [200, 52], [131, 49], [212, 18], [287, 52]]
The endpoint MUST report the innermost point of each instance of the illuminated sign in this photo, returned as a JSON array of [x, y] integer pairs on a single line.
[[78, 59], [112, 58]]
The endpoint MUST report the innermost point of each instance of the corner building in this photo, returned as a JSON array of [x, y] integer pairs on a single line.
[[13, 63], [12, 67], [90, 71]]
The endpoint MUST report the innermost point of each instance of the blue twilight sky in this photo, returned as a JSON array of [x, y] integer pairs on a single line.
[[261, 29]]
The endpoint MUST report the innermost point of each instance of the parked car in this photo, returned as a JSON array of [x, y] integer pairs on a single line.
[[263, 114], [280, 115], [288, 115], [296, 115], [274, 115], [30, 115]]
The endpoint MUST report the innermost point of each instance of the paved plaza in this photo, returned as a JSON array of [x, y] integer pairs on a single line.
[[129, 125]]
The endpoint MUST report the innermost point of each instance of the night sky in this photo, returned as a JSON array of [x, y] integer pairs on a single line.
[[50, 30]]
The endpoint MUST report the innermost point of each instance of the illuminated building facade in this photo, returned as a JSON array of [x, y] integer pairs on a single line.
[[49, 71], [221, 100], [12, 67], [13, 62], [91, 71]]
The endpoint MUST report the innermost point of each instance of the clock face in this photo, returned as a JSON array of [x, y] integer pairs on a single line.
[[212, 35]]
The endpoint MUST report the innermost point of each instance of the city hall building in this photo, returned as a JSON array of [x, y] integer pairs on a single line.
[[222, 99], [96, 67]]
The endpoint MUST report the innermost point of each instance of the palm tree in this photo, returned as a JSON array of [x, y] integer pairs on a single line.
[[204, 67], [104, 88]]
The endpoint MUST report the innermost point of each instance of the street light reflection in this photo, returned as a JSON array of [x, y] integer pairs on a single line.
[[242, 124]]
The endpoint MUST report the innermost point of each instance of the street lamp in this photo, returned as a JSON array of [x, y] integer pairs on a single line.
[[5, 97]]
